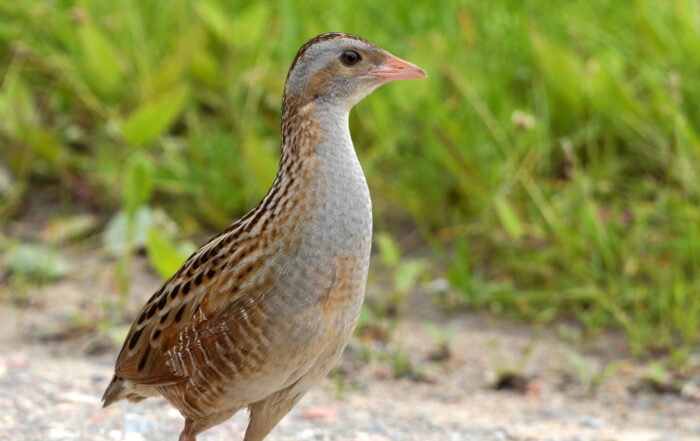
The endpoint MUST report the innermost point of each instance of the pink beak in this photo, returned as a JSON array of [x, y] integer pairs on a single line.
[[397, 69]]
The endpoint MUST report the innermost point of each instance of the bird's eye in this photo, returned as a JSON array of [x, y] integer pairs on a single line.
[[350, 58]]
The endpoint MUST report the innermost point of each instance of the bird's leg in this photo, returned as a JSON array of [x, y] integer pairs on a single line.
[[194, 427], [265, 414]]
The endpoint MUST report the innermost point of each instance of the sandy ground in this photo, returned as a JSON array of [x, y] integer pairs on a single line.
[[52, 375]]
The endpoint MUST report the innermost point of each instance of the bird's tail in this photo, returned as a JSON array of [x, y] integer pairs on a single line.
[[115, 391], [120, 389]]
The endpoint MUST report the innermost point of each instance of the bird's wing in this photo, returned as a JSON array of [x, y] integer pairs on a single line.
[[207, 314]]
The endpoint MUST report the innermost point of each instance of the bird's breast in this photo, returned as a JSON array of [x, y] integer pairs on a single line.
[[322, 267]]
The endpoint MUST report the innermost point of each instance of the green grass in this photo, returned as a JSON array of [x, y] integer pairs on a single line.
[[551, 158]]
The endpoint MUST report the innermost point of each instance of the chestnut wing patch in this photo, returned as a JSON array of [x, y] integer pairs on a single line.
[[207, 307]]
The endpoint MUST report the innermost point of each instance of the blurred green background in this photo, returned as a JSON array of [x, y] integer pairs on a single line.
[[549, 164]]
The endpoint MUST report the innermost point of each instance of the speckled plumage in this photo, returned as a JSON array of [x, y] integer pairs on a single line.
[[261, 312]]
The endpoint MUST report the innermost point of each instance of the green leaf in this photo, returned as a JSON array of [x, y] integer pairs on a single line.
[[100, 60], [259, 159], [509, 218], [123, 235], [214, 19], [563, 70], [150, 120], [407, 274], [248, 25], [36, 262], [17, 106], [119, 239], [205, 68], [138, 184], [46, 144], [388, 250], [165, 257], [65, 229]]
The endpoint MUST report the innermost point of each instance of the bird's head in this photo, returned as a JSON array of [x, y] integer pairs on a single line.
[[341, 69]]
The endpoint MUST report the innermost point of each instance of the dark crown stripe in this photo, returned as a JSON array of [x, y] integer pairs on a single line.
[[319, 39]]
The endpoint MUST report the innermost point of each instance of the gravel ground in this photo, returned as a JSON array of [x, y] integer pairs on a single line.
[[51, 397], [51, 387]]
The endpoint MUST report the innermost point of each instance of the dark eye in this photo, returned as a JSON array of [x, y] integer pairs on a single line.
[[350, 58]]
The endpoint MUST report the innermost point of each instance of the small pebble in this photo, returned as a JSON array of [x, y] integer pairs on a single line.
[[364, 436], [440, 286], [591, 422], [75, 397], [500, 435], [554, 413], [133, 436], [328, 415], [57, 434], [134, 422], [306, 435]]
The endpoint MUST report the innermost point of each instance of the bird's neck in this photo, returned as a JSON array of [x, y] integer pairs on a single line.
[[317, 150], [316, 131], [319, 201]]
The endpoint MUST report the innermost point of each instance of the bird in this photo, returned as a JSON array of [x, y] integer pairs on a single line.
[[264, 309]]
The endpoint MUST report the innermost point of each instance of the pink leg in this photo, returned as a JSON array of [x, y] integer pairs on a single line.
[[195, 427]]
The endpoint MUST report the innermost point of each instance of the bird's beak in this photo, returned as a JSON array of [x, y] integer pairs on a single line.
[[397, 69]]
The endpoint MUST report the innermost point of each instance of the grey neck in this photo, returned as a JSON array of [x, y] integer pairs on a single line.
[[345, 215], [334, 126]]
